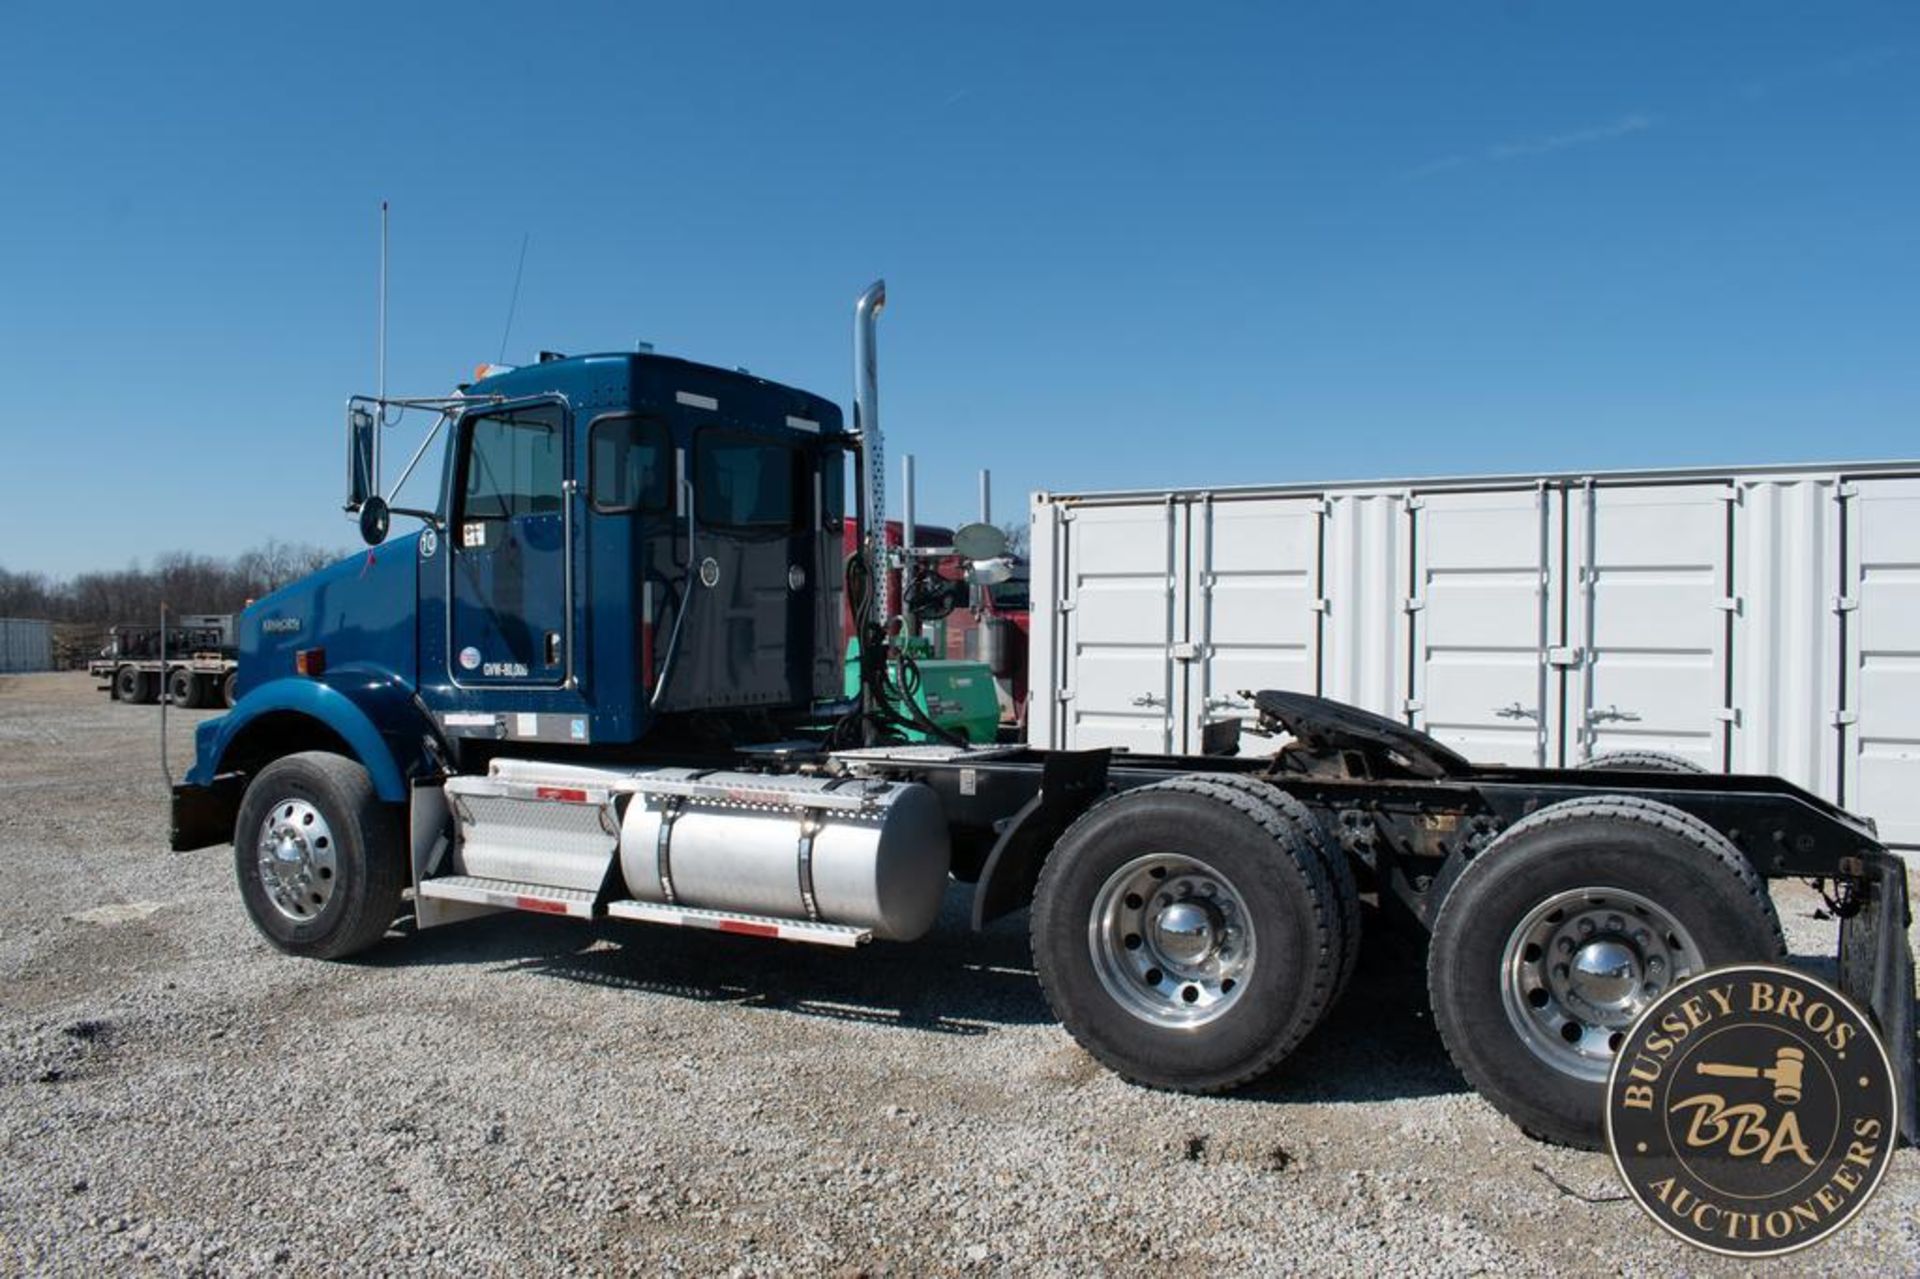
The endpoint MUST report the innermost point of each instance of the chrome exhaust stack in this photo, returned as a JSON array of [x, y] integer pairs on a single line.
[[866, 426]]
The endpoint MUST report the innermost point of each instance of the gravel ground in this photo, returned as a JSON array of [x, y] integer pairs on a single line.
[[519, 1093]]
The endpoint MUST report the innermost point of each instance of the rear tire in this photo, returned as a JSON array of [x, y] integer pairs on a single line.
[[1642, 761], [183, 687], [1333, 860], [1200, 990], [131, 684], [320, 860], [1552, 941]]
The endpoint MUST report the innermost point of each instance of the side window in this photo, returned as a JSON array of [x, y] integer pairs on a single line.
[[746, 482], [513, 464], [631, 463]]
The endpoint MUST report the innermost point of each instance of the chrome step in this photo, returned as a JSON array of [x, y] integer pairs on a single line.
[[508, 894], [725, 921]]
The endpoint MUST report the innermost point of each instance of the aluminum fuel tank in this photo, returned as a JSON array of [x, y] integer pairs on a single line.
[[862, 852]]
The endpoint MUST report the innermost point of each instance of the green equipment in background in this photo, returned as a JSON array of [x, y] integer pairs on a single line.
[[958, 696]]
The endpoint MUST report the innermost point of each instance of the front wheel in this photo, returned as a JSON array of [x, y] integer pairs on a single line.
[[320, 860], [1186, 936], [1553, 941]]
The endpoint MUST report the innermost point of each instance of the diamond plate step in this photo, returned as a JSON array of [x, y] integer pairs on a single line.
[[723, 921], [541, 898]]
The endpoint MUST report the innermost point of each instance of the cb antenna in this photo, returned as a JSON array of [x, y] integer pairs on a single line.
[[380, 365], [513, 302]]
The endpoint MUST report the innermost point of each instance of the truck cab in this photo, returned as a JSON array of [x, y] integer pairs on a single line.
[[621, 544]]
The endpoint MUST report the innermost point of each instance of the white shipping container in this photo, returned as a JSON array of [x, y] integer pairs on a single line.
[[26, 644], [1755, 620]]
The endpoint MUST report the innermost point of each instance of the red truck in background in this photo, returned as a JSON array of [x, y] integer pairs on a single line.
[[991, 629]]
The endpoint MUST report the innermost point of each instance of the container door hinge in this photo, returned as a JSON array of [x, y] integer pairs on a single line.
[[1842, 719], [1730, 604], [1322, 605], [1564, 655], [1184, 651], [1728, 715], [1845, 603], [1414, 604], [1412, 706]]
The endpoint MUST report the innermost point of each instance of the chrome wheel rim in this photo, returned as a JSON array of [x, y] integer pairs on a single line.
[[1581, 968], [1171, 940], [297, 857]]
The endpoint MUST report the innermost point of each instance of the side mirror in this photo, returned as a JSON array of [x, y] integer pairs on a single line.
[[979, 542], [375, 520], [363, 456]]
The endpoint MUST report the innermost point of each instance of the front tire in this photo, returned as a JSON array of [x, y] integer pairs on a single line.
[[1552, 942], [1185, 937], [320, 860]]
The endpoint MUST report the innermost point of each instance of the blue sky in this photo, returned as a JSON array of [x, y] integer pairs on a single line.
[[1126, 245]]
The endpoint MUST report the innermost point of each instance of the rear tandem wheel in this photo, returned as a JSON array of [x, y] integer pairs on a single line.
[[1186, 935], [1552, 942]]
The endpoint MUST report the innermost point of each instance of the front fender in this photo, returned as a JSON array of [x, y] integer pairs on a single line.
[[374, 714]]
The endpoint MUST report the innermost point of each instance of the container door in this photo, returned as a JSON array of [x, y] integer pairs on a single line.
[[1878, 720], [1259, 610], [508, 597], [1653, 607], [1124, 608], [1479, 617]]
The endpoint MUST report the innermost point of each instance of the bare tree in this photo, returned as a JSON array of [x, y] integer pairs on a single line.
[[185, 582]]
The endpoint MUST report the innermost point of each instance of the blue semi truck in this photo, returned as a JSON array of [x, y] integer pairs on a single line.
[[603, 679]]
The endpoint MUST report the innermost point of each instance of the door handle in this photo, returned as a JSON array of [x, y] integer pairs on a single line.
[[1223, 702], [1148, 699], [1515, 710], [1613, 713]]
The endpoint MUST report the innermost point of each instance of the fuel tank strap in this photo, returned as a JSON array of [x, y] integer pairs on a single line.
[[809, 827], [663, 849]]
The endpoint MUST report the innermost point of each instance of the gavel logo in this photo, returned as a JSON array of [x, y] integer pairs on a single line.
[[1787, 1073]]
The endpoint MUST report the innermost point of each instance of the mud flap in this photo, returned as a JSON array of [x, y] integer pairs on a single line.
[[1876, 971]]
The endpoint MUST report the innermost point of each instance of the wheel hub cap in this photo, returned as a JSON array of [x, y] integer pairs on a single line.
[[1185, 933], [1604, 974], [297, 859], [1171, 940]]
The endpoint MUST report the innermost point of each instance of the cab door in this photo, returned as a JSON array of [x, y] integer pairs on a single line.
[[509, 594]]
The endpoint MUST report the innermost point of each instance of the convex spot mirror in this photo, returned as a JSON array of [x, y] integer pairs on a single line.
[[990, 572], [375, 520], [979, 542]]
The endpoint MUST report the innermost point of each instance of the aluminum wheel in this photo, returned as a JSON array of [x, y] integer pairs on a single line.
[[297, 860], [1583, 966], [1172, 941]]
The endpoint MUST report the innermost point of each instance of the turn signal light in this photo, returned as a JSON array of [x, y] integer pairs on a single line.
[[310, 662]]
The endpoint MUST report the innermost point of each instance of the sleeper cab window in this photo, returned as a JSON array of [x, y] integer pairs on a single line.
[[630, 465], [747, 482]]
